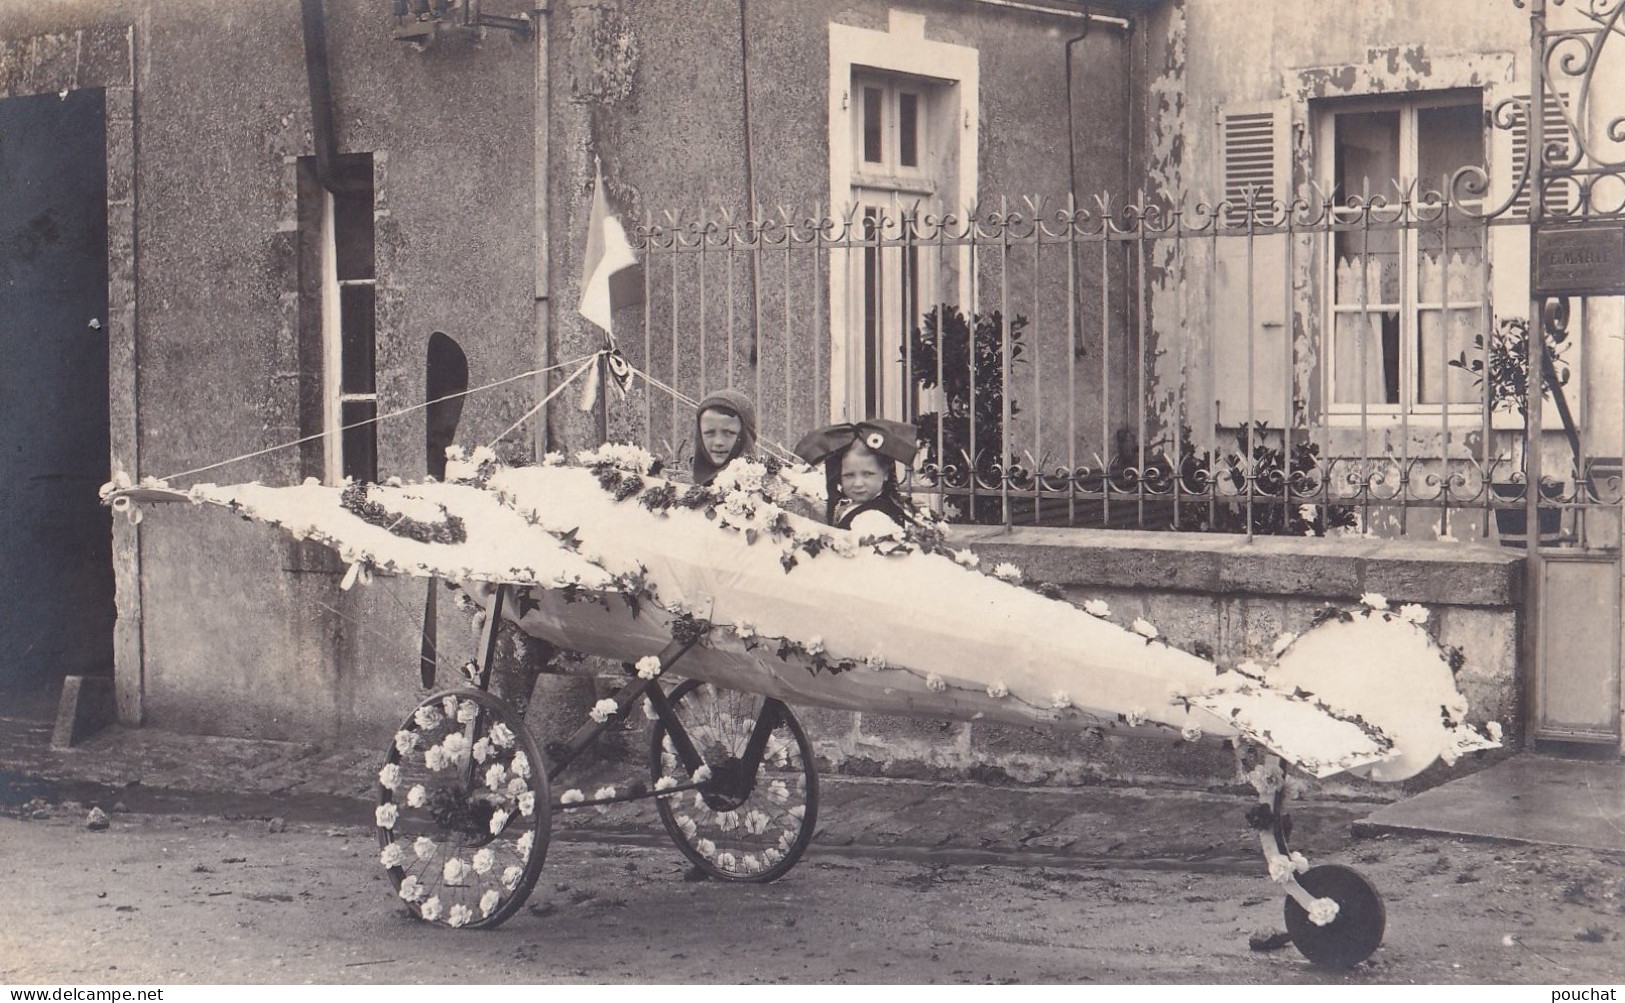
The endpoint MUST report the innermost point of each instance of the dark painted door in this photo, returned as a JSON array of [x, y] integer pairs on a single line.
[[56, 575]]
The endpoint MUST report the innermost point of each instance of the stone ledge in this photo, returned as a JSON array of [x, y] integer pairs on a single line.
[[1452, 574]]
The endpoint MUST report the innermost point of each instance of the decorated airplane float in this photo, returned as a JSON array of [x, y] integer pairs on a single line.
[[757, 606]]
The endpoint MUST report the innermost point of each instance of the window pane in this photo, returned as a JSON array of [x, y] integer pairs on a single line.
[[1441, 337], [1367, 153], [1368, 267], [1447, 139], [908, 125], [1366, 358], [360, 444], [358, 342], [872, 125], [352, 217]]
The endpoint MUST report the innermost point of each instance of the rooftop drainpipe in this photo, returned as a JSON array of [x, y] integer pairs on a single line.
[[321, 94]]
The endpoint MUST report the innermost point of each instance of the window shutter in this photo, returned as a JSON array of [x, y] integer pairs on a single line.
[[1557, 131], [1254, 143], [1256, 155]]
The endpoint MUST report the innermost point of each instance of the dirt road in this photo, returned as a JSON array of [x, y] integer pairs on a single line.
[[200, 898]]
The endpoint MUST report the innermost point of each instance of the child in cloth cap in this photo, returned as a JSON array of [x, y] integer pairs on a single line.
[[724, 430], [860, 464]]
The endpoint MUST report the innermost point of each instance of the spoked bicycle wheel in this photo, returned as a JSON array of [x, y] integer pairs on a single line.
[[740, 824], [463, 810]]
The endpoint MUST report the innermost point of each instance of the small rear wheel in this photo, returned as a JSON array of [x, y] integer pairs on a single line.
[[739, 824], [1357, 930], [463, 810]]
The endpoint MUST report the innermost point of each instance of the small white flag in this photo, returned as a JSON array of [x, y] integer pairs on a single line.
[[611, 276]]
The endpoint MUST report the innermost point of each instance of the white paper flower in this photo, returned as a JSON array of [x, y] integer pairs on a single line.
[[778, 791], [750, 864], [1374, 600], [521, 764], [423, 847], [468, 712], [603, 710], [744, 631], [1413, 613], [517, 786], [727, 821], [1143, 627], [435, 758], [1135, 718], [499, 818], [1494, 730], [511, 875], [455, 745], [935, 683], [489, 902], [460, 915], [450, 705], [427, 716], [430, 910], [772, 856], [572, 796], [1322, 911], [482, 750], [501, 736], [665, 784], [997, 690], [648, 668], [603, 793], [405, 741], [1282, 642], [727, 862], [700, 776], [527, 804], [706, 848], [814, 646], [1097, 607], [484, 860], [1281, 869], [386, 815], [390, 775], [756, 822], [417, 797], [1300, 863], [411, 888], [392, 855], [799, 811], [1191, 733], [1060, 700], [1006, 571], [967, 559], [496, 776], [454, 871]]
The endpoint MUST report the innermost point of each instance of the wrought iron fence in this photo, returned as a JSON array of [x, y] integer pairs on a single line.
[[1253, 366]]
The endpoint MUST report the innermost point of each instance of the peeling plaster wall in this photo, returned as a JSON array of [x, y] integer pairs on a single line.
[[1299, 55]]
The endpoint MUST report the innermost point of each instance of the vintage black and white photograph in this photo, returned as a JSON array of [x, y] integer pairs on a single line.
[[806, 492]]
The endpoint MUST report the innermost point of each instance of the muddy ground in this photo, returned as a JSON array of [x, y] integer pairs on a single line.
[[198, 896]]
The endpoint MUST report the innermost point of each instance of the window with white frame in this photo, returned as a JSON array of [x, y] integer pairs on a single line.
[[349, 323], [1405, 299], [903, 133]]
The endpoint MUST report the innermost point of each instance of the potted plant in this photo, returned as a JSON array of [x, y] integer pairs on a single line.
[[1501, 368]]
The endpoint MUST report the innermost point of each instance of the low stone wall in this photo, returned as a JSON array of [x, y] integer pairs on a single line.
[[1220, 596]]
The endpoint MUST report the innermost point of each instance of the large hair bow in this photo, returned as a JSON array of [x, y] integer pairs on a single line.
[[893, 439]]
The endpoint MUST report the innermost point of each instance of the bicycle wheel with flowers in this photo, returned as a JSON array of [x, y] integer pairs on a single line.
[[756, 806], [463, 810]]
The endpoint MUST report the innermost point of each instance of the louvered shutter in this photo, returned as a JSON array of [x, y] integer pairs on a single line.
[[1560, 198], [1256, 156], [1254, 140]]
